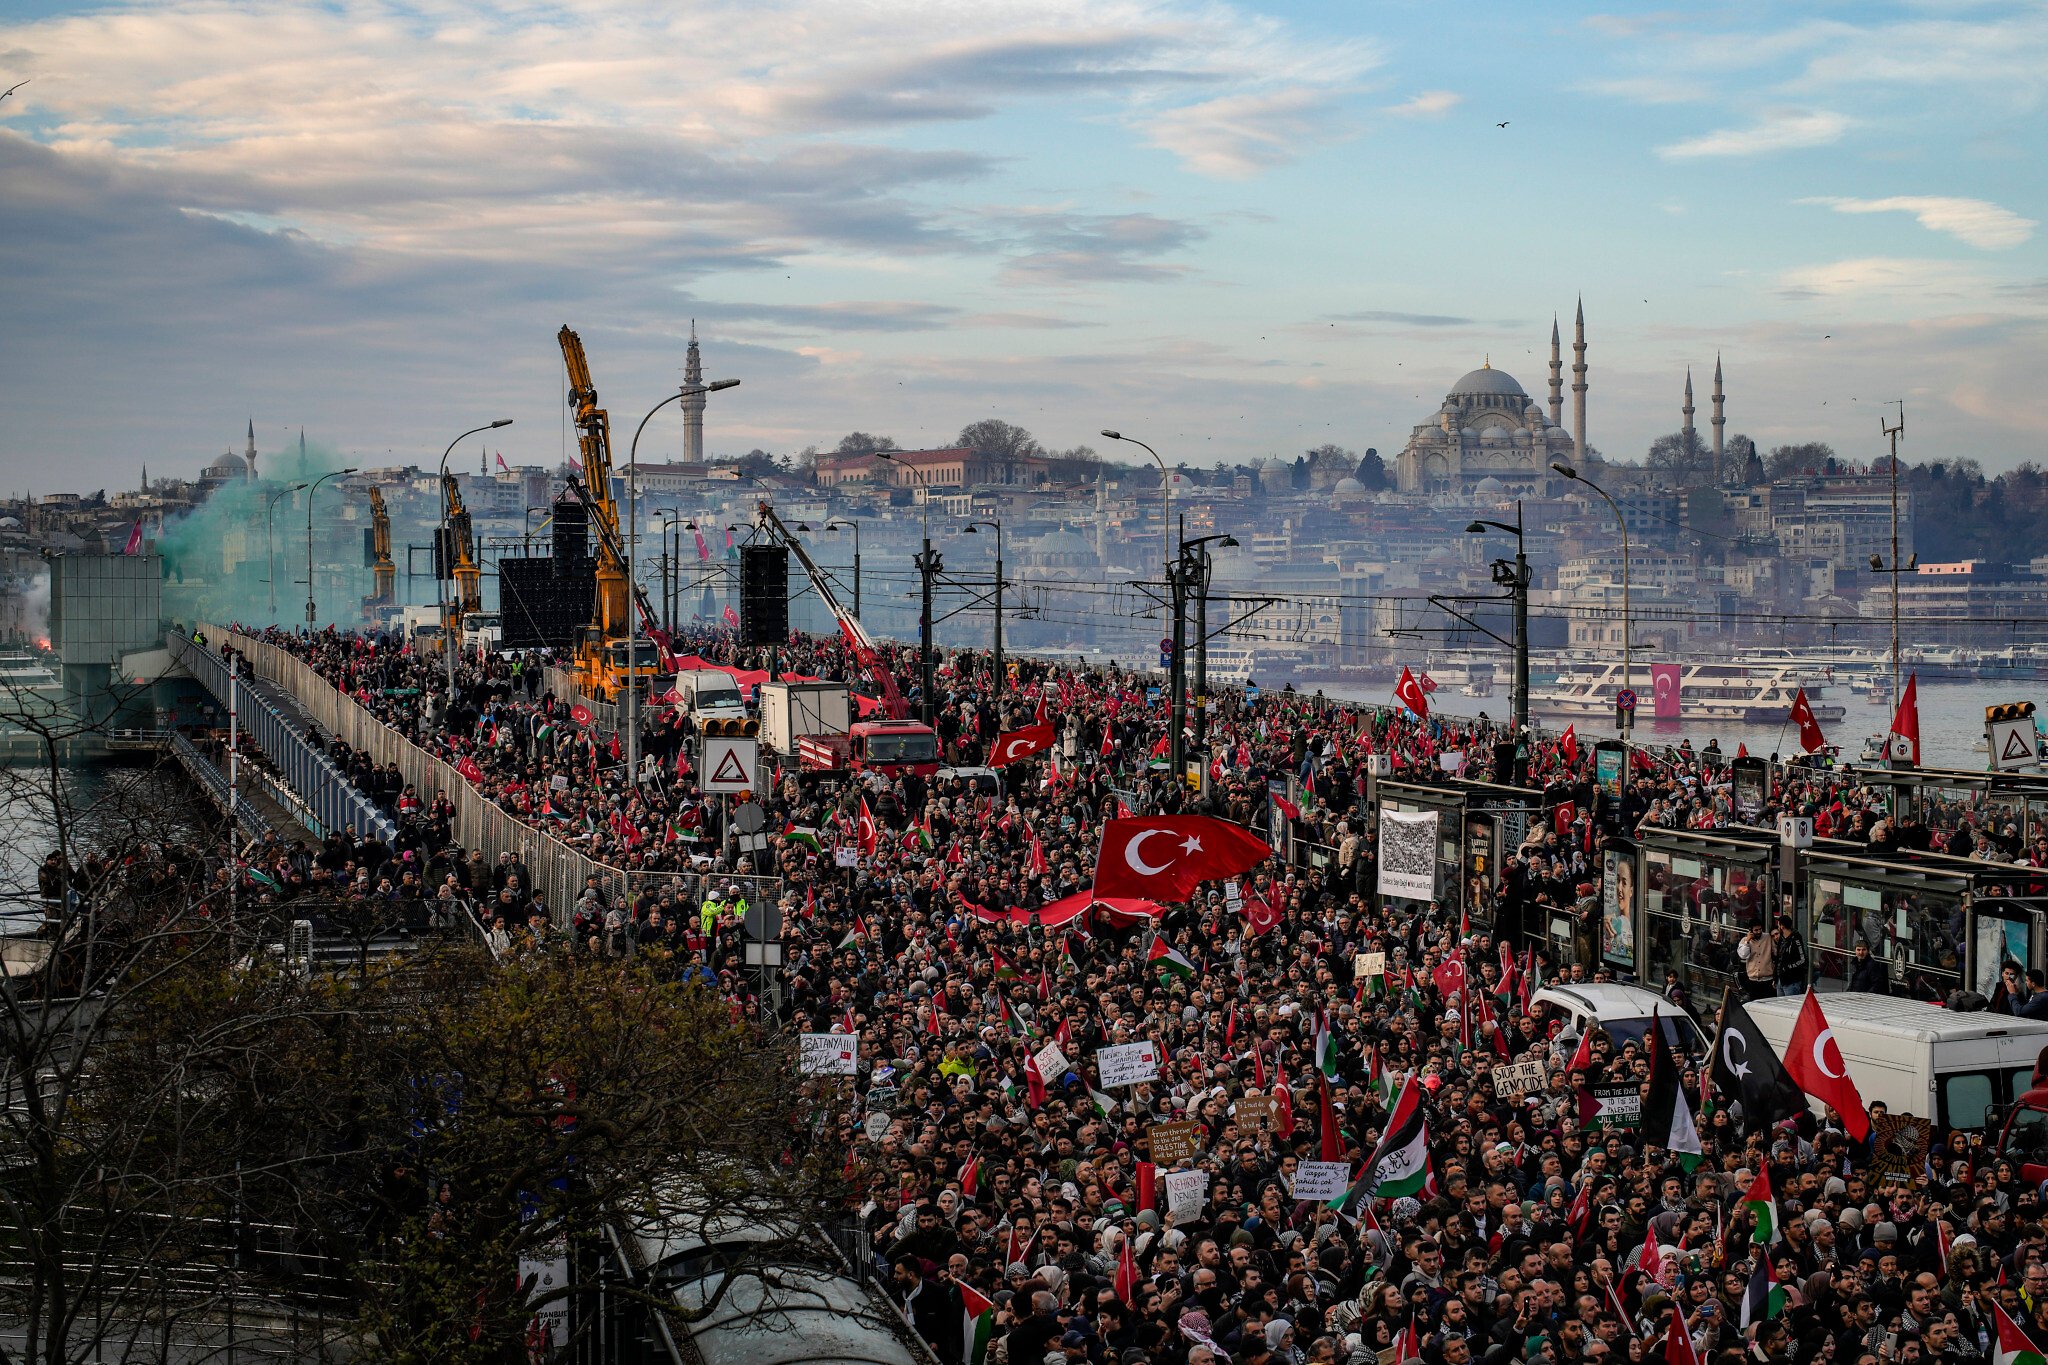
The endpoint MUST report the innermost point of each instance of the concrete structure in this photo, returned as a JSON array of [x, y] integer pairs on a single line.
[[1487, 428], [955, 467]]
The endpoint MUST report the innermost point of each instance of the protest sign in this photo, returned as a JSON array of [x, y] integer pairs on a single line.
[[1319, 1181], [1185, 1194], [1525, 1077], [1173, 1143], [1127, 1064], [827, 1054]]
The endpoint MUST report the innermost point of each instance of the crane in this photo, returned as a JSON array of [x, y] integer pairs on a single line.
[[468, 576], [383, 572], [601, 656], [857, 638]]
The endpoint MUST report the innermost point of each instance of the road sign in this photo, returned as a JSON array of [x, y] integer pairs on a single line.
[[727, 765], [1625, 700], [2010, 742], [748, 818]]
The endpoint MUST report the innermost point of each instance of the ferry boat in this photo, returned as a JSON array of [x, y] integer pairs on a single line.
[[1231, 665], [1725, 693]]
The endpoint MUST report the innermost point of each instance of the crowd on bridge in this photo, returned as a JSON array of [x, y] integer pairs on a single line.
[[1023, 1214]]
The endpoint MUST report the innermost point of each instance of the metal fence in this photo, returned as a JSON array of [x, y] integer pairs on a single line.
[[330, 800], [560, 872], [247, 818]]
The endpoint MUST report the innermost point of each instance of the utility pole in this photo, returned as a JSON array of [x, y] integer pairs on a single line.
[[1177, 674], [1202, 566], [1521, 698], [1892, 432], [928, 567]]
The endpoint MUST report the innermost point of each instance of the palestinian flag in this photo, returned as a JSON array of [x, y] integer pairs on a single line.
[[1005, 969], [1326, 1048], [262, 878], [854, 935], [1164, 960], [1760, 1202], [805, 835], [1667, 1111], [1012, 1022], [977, 1324], [2014, 1347], [1104, 1104], [1400, 1164], [921, 833], [1375, 984], [1067, 962], [1763, 1298]]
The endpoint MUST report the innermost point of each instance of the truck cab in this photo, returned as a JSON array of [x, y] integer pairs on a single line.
[[2024, 1139], [893, 746]]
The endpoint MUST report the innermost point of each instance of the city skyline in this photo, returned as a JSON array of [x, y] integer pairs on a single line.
[[1237, 230]]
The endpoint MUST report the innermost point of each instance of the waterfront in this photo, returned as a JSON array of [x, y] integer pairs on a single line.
[[106, 805]]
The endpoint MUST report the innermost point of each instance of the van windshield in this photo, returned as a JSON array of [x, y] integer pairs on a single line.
[[1680, 1034], [2027, 1139]]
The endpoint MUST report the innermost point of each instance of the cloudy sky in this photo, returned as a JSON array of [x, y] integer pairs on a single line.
[[1236, 229]]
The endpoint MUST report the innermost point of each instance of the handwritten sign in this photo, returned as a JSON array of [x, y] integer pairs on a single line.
[[1173, 1143], [828, 1054], [1255, 1109], [1518, 1078], [1127, 1064], [1322, 1180], [1621, 1106], [1186, 1191], [1052, 1063]]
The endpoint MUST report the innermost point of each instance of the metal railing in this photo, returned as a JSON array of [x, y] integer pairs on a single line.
[[560, 872], [247, 818]]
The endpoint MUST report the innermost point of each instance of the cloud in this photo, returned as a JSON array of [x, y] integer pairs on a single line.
[[1057, 248], [1428, 104], [1885, 275], [1976, 222], [1403, 319], [1777, 131], [1238, 136]]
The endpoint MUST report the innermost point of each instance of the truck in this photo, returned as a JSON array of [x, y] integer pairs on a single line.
[[793, 711], [1959, 1069], [708, 694]]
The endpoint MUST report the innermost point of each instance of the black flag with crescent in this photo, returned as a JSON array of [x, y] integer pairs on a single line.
[[1748, 1072]]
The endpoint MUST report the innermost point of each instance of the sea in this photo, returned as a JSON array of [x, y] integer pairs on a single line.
[[1951, 720], [103, 803]]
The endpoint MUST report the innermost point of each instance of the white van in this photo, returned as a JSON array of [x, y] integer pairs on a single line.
[[1920, 1059], [1623, 1014], [709, 695]]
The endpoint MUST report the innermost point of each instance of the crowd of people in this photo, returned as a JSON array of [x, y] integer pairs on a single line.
[[1022, 1215]]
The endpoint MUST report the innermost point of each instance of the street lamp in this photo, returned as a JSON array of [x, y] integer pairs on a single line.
[[671, 569], [854, 526], [270, 538], [1518, 586], [633, 568], [929, 565], [1628, 718], [1165, 484], [973, 528], [315, 488], [441, 584]]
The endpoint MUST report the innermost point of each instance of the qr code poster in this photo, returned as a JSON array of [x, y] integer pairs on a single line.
[[1408, 854]]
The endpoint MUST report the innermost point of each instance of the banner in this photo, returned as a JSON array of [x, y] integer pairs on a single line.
[[1408, 855], [1664, 690], [1127, 1064], [828, 1054]]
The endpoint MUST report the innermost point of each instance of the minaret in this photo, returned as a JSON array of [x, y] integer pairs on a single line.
[[1691, 442], [249, 455], [1579, 384], [693, 404], [1556, 375], [1720, 421]]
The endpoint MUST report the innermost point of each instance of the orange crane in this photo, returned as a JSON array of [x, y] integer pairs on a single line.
[[383, 571]]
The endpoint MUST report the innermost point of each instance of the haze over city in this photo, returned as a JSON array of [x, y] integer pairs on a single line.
[[1243, 230]]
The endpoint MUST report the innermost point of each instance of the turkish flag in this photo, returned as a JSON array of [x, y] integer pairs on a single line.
[[1410, 694], [1905, 734], [1568, 744], [866, 830], [1012, 745], [1810, 737], [1664, 691], [1814, 1062], [1332, 1142], [580, 714], [1259, 913], [1126, 1282], [1164, 857], [1564, 817], [1450, 978]]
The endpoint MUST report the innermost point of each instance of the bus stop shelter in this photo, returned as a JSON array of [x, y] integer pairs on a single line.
[[1478, 825]]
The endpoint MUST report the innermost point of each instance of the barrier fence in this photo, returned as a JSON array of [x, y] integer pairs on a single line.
[[560, 872]]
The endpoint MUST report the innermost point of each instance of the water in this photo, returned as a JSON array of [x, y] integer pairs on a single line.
[[106, 805], [1951, 720]]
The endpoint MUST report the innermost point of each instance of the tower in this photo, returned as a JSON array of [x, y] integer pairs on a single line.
[[249, 455], [1720, 422], [1556, 376], [693, 403], [1579, 384], [1686, 436]]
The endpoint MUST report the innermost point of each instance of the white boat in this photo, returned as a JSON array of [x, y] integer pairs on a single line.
[[1234, 665], [1726, 693]]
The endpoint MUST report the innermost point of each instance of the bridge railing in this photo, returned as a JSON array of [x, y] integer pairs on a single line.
[[560, 872]]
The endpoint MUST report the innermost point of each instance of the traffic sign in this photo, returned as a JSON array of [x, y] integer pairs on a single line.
[[1625, 700], [2008, 738], [727, 765]]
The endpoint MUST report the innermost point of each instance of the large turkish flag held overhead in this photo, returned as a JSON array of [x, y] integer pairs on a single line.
[[1012, 745], [1164, 857], [1814, 1062]]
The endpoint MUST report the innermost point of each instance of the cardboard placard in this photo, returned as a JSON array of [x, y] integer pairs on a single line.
[[1371, 964], [846, 855], [1319, 1181], [1127, 1064], [1255, 1109], [828, 1054], [1052, 1063], [1186, 1192], [1519, 1078], [1173, 1143]]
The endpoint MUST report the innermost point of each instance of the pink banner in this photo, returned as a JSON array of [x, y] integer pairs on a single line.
[[1664, 687]]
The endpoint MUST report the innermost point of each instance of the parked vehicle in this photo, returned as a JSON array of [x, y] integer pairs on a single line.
[[1623, 1014]]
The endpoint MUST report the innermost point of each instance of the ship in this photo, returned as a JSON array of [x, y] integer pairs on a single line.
[[1758, 693]]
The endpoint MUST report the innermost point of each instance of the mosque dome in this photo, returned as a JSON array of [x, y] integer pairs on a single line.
[[1559, 438], [1062, 548], [1496, 434], [1487, 380], [228, 466], [1489, 487], [1348, 487]]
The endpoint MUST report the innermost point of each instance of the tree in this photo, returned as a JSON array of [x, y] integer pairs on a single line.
[[1372, 472], [1682, 458], [995, 437], [861, 443], [1791, 462]]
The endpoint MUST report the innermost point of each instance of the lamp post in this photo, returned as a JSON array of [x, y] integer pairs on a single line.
[[270, 537], [670, 569], [929, 565], [315, 488], [853, 526], [1192, 571], [632, 708], [1627, 718], [440, 583], [973, 528], [1166, 488], [1518, 586]]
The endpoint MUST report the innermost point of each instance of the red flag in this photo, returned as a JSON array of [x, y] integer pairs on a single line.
[[1283, 1109], [1649, 1260], [467, 767], [1664, 691], [1037, 864], [1410, 694], [1678, 1343], [1333, 1143], [1566, 814], [1814, 1062], [580, 714], [1127, 1273], [1905, 733], [1259, 913], [134, 545], [1568, 744], [1013, 745], [1427, 684], [1580, 1216], [1810, 737], [1582, 1057], [732, 618], [1450, 978], [970, 1177], [1108, 741], [1039, 715], [703, 550], [1034, 1084], [613, 748], [1258, 1067], [1741, 749], [866, 831], [1164, 857], [1148, 1185], [1159, 749]]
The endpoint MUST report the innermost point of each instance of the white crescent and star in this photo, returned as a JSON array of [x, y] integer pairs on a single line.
[[1136, 862], [1012, 749], [1827, 1035], [1737, 1067]]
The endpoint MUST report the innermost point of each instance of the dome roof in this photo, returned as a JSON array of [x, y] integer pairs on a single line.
[[1487, 380], [1489, 487], [1064, 544], [1496, 433], [1347, 484], [228, 465]]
